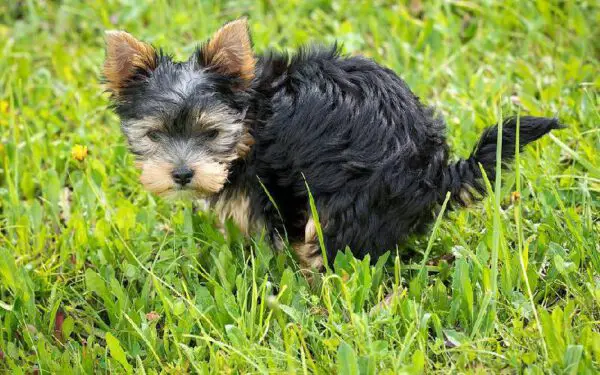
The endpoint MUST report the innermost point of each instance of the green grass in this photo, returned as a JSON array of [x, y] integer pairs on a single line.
[[96, 275]]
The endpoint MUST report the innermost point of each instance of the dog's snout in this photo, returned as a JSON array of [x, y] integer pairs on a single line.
[[183, 175]]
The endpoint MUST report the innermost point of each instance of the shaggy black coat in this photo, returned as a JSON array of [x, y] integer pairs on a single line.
[[374, 158]]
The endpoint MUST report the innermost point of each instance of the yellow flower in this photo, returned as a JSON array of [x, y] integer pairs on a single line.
[[3, 110], [515, 196], [79, 152]]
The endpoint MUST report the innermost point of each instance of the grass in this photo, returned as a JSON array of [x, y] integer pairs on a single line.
[[96, 275]]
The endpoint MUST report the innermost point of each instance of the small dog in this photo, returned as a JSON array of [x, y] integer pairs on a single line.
[[250, 133]]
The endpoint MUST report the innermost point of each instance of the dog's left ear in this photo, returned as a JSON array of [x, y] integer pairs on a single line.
[[229, 52]]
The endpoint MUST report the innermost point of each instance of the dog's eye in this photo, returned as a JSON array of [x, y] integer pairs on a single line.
[[211, 134], [154, 135]]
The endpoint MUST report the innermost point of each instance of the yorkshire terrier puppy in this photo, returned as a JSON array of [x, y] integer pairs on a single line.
[[229, 126]]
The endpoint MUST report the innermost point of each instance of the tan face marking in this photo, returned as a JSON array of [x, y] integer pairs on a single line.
[[220, 119], [209, 176], [137, 131], [156, 176]]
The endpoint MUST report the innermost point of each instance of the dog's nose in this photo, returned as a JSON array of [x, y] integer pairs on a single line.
[[183, 175]]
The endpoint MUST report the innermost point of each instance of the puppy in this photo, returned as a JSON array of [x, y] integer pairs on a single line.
[[249, 133]]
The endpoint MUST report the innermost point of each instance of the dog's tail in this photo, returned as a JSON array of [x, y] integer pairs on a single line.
[[464, 179]]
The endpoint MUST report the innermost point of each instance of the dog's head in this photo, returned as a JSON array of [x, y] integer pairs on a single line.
[[183, 120]]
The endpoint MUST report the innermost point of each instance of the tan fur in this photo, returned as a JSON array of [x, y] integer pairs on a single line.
[[137, 130], [156, 176], [237, 208], [309, 252], [246, 142], [467, 195], [209, 177], [219, 118], [143, 125], [230, 51], [124, 54]]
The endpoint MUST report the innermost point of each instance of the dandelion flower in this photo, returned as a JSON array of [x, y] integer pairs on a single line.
[[79, 152]]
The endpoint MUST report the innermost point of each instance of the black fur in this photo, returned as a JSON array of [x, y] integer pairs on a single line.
[[374, 157]]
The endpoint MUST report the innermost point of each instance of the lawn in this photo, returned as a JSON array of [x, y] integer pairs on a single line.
[[99, 276]]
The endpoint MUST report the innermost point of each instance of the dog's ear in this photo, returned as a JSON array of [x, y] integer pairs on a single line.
[[229, 52], [127, 60]]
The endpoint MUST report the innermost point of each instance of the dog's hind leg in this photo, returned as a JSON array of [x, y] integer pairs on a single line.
[[308, 251]]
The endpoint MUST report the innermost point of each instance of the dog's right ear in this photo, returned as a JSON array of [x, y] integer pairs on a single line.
[[127, 60]]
